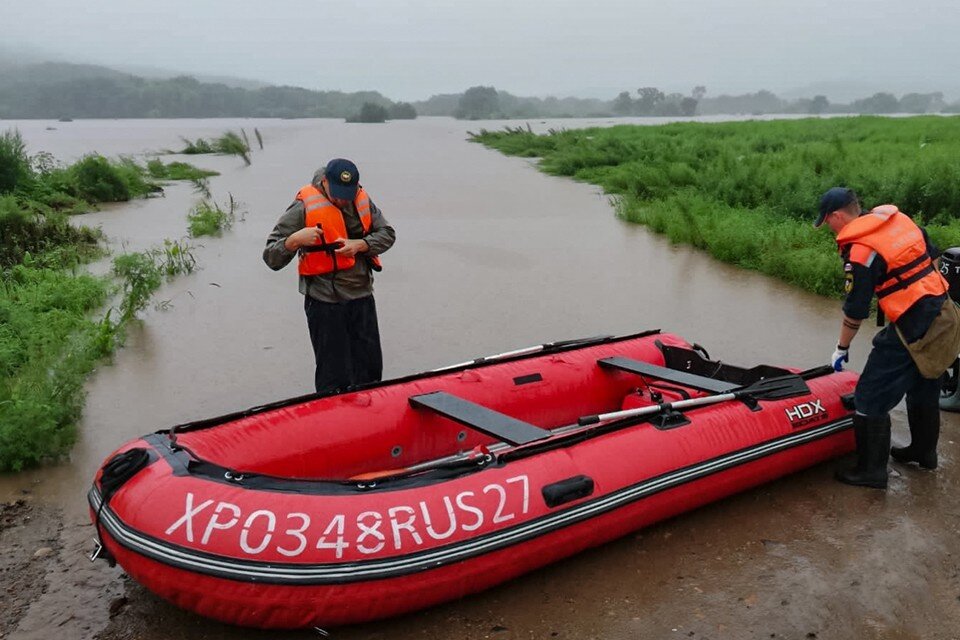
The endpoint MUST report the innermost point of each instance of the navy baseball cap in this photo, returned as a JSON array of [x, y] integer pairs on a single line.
[[833, 199], [342, 179]]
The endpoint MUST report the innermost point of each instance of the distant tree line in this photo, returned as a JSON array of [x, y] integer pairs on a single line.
[[483, 103], [373, 112], [56, 90], [879, 103]]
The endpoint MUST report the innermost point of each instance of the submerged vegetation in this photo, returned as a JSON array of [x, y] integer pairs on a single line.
[[208, 218], [177, 171], [141, 273], [229, 143], [746, 191], [53, 327]]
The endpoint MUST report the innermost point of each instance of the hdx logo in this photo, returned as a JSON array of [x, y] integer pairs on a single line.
[[806, 413]]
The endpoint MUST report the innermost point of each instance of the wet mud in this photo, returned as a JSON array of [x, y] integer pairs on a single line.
[[29, 546], [491, 256]]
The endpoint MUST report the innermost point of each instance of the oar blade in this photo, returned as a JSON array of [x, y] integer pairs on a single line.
[[778, 388]]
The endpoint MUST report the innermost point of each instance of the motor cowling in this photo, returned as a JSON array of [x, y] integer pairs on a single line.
[[950, 381]]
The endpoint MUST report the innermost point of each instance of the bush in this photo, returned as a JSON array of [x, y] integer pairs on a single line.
[[15, 168], [25, 231], [95, 180]]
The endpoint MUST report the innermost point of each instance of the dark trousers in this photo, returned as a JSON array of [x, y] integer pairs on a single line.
[[889, 374], [346, 342]]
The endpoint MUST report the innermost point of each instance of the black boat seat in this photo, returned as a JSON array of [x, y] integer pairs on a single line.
[[646, 369], [487, 421]]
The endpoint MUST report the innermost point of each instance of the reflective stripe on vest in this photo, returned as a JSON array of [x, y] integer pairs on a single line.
[[910, 271], [320, 211]]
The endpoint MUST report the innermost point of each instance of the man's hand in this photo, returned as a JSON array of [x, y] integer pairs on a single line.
[[351, 247], [303, 238], [839, 357]]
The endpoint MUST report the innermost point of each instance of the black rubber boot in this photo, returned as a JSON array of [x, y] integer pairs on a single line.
[[924, 424], [873, 447]]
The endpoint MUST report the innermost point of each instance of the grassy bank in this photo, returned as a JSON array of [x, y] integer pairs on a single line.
[[54, 327], [746, 192]]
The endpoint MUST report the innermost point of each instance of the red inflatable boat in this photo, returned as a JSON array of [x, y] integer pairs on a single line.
[[403, 494]]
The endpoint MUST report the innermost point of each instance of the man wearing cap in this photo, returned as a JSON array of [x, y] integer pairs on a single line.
[[338, 234], [887, 255]]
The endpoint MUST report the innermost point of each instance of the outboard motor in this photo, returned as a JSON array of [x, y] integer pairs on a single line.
[[950, 382]]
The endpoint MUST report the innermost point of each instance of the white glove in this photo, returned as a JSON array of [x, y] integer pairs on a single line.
[[839, 357]]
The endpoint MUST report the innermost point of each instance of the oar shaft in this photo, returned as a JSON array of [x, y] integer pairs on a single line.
[[657, 408], [524, 351]]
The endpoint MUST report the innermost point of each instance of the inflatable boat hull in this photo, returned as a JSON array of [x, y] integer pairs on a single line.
[[216, 524]]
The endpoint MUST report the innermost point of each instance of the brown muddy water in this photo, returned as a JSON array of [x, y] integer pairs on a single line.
[[491, 255]]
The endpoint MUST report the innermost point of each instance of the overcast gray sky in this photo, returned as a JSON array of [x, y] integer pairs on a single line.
[[409, 49]]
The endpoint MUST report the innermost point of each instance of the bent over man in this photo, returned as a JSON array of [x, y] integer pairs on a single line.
[[337, 233], [887, 255]]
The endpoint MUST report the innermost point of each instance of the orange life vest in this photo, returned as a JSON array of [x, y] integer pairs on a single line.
[[910, 271], [315, 261]]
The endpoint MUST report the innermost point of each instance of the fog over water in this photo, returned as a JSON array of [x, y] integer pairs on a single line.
[[411, 50]]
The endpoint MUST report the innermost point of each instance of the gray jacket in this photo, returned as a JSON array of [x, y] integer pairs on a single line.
[[349, 284]]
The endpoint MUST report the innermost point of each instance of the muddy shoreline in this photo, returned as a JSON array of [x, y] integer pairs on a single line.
[[803, 557]]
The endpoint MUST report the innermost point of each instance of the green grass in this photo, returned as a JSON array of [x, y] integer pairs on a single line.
[[57, 322], [746, 192], [208, 218], [51, 339], [142, 273], [49, 343], [229, 143], [177, 171]]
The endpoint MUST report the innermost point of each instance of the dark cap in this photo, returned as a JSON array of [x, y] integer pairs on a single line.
[[833, 199], [342, 179]]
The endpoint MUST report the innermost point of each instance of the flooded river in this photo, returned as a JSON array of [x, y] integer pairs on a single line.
[[491, 255]]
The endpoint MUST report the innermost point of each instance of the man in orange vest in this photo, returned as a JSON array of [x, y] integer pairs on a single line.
[[337, 233], [887, 255]]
